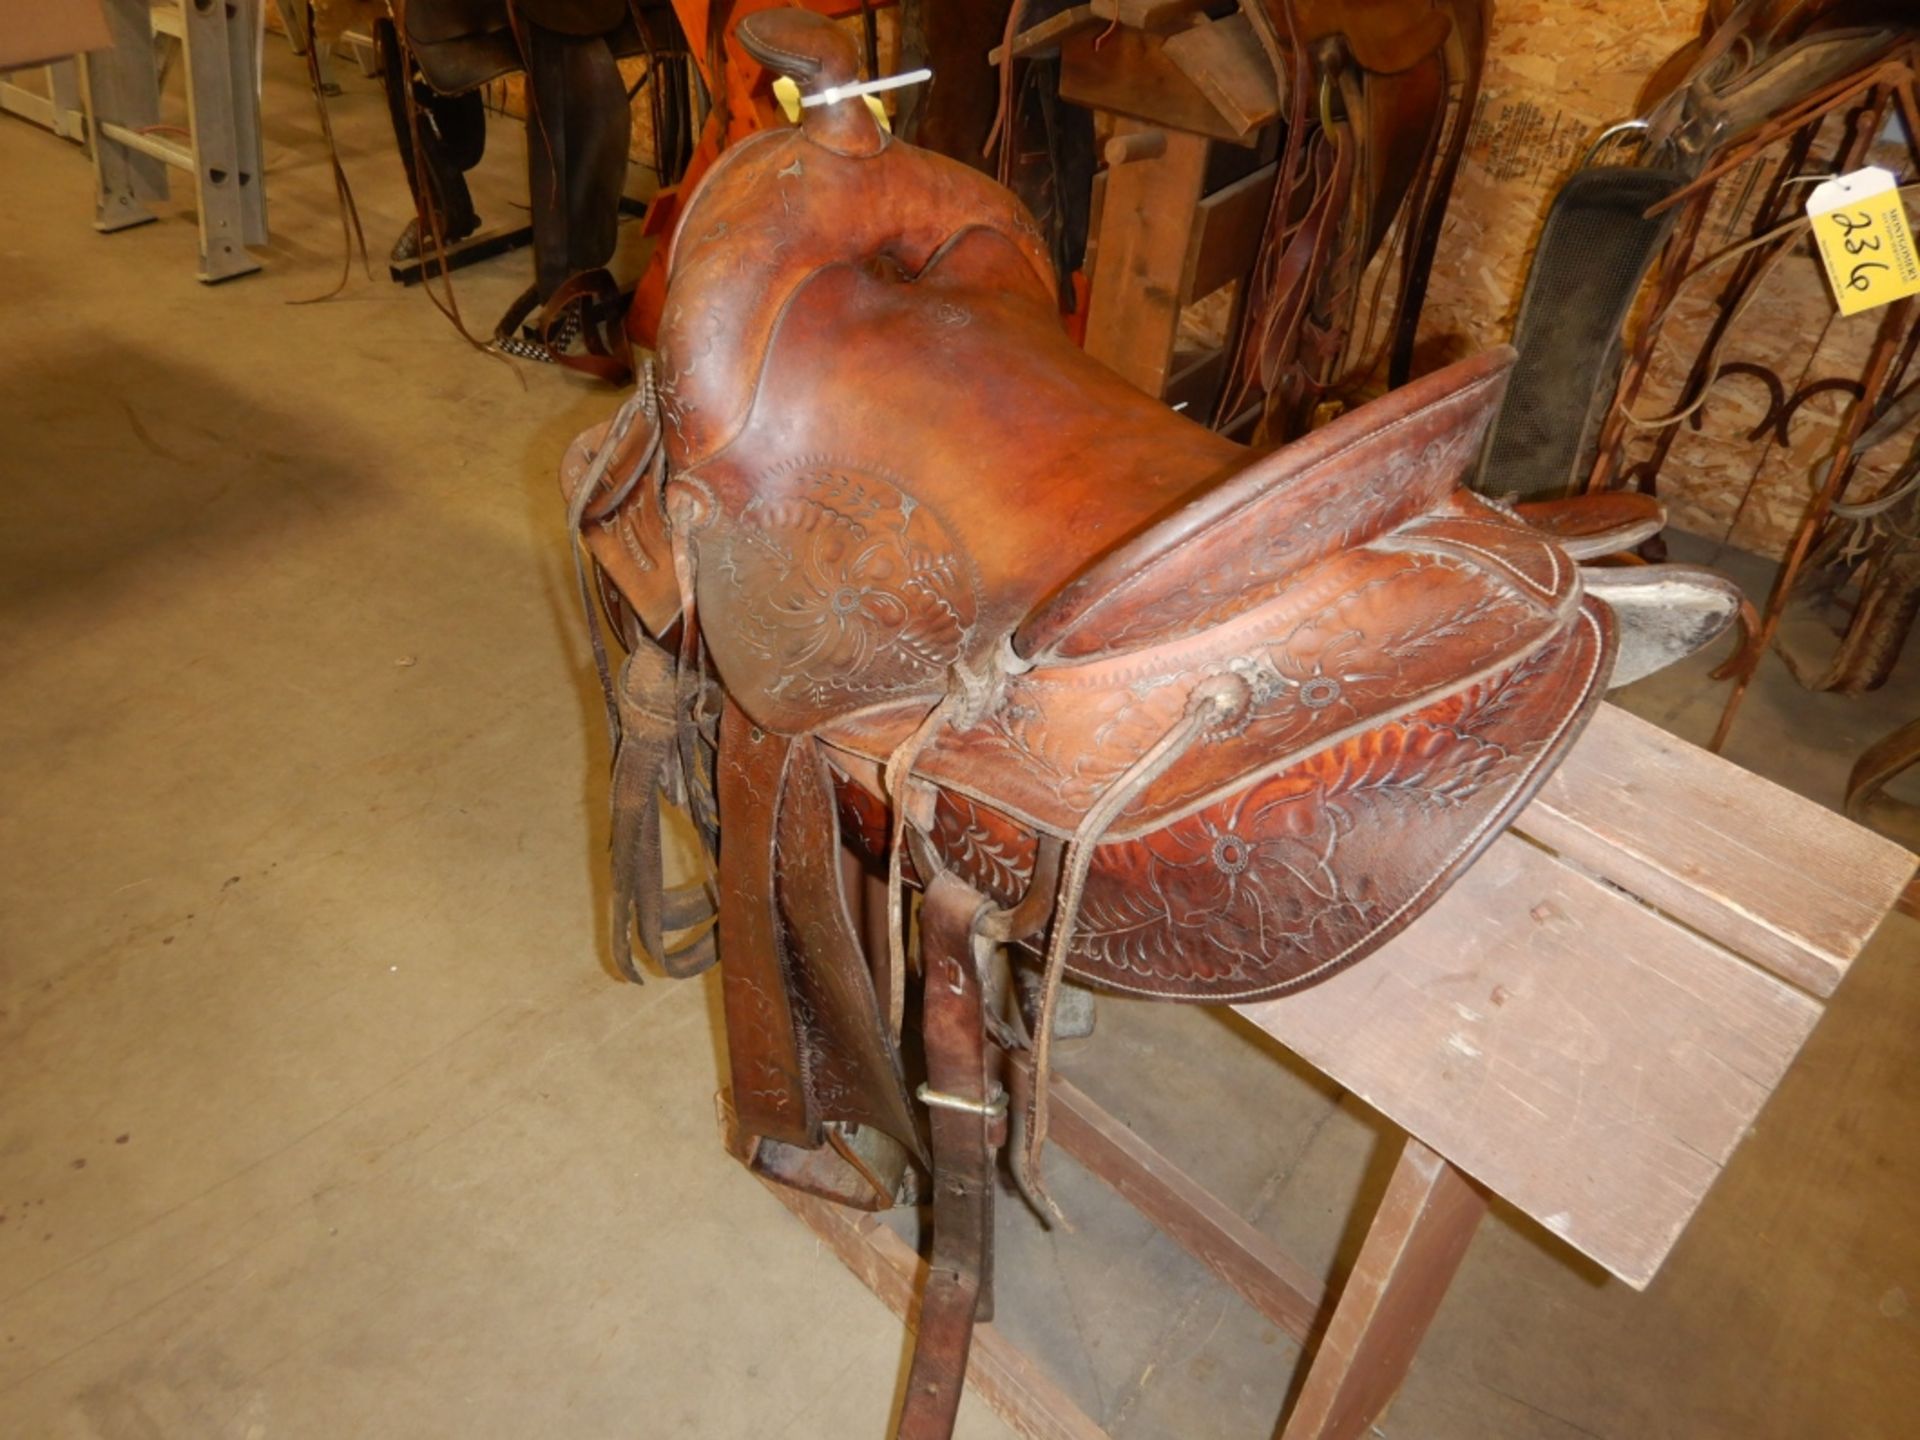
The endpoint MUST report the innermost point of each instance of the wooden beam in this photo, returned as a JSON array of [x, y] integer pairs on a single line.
[[1766, 872], [1048, 34], [1415, 1244], [1195, 382], [1019, 1391], [1146, 221], [1227, 232], [998, 1371], [1226, 63]]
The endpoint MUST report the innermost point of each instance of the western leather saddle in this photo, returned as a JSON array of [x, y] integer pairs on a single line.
[[578, 133], [900, 569]]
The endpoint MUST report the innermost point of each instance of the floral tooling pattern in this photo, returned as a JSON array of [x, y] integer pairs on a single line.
[[848, 592]]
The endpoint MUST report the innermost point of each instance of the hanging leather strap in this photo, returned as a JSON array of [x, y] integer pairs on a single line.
[[648, 730], [643, 715], [585, 502], [590, 301], [968, 1115], [766, 1059]]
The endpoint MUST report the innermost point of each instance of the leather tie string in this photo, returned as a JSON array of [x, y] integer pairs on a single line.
[[1215, 707]]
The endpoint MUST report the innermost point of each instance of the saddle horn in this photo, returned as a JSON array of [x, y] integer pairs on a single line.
[[818, 56]]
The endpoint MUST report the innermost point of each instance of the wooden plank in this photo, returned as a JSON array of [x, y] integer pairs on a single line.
[[1794, 886], [1127, 72], [1416, 1242], [1146, 218], [1268, 1278], [1096, 208], [1577, 1053], [1048, 34], [1148, 14], [1019, 1391], [1241, 427], [1226, 63], [1227, 232]]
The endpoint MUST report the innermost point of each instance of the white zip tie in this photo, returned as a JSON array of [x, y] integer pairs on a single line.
[[834, 94]]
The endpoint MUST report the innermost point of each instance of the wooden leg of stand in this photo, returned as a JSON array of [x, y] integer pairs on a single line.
[[1415, 1245]]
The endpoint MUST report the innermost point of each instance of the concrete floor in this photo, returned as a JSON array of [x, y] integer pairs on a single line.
[[322, 1116]]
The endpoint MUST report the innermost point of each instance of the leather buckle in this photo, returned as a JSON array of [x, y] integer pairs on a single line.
[[993, 1108]]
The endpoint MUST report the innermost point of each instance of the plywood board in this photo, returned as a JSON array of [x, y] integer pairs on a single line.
[[1787, 883], [1574, 1051]]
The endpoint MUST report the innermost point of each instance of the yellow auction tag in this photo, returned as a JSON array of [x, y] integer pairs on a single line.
[[788, 94], [1860, 224]]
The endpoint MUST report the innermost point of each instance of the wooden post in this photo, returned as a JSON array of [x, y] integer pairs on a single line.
[[1136, 145], [1146, 221], [1416, 1242]]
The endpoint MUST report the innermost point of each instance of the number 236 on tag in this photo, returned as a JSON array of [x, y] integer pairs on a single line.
[[1860, 225]]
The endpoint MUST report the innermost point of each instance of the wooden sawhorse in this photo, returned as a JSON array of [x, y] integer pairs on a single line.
[[1585, 1025]]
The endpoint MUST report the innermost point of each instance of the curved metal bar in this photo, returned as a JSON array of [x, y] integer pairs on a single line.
[[1776, 394], [1818, 387], [1623, 127]]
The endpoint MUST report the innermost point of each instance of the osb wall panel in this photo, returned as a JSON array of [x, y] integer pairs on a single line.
[[1558, 71]]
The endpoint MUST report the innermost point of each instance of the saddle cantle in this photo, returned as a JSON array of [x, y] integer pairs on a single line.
[[902, 570]]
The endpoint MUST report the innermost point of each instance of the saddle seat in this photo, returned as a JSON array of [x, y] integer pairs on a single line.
[[867, 422]]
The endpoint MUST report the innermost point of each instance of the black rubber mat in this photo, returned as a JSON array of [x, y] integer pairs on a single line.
[[1593, 252]]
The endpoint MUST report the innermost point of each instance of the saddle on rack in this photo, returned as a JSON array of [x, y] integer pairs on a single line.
[[578, 132], [900, 569]]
